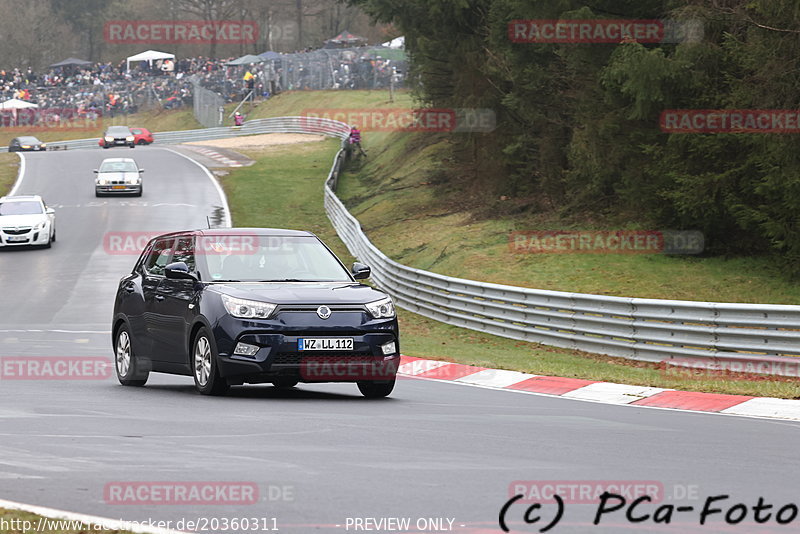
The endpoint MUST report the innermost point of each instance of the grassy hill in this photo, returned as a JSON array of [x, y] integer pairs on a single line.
[[283, 188]]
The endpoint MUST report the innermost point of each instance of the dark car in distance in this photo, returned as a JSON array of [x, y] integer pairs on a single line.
[[26, 144], [235, 306], [118, 136]]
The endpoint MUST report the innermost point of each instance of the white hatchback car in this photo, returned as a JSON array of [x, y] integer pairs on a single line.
[[26, 220]]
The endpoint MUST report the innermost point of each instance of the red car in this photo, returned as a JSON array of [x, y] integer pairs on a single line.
[[142, 136]]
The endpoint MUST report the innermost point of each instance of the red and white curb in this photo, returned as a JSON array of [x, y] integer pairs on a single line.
[[216, 156], [603, 392]]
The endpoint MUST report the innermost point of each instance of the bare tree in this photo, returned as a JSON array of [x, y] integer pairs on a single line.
[[33, 36], [211, 11]]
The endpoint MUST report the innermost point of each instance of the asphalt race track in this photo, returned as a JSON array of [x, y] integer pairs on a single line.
[[319, 454]]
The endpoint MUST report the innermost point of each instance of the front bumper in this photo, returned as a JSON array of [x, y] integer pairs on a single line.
[[31, 237], [119, 142], [118, 188], [278, 354]]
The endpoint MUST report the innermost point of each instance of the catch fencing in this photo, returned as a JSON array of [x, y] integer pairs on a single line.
[[347, 68], [209, 107], [760, 338]]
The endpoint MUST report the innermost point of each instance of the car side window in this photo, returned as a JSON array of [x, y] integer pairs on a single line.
[[158, 257], [184, 251]]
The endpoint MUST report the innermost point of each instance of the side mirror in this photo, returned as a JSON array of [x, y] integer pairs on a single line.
[[179, 271], [95, 171], [361, 271], [50, 211], [141, 171]]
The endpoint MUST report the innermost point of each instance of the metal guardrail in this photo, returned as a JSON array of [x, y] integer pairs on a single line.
[[750, 338], [756, 338], [301, 125]]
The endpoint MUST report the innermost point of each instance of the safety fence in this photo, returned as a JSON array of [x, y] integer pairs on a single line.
[[209, 107], [758, 338], [299, 125]]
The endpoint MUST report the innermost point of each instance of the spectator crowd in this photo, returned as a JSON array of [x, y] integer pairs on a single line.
[[111, 89]]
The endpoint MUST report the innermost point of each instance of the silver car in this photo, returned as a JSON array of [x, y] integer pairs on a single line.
[[118, 176]]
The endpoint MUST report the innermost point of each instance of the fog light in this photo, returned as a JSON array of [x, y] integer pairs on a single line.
[[245, 349], [388, 348]]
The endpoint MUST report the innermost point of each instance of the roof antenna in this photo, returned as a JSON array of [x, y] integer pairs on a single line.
[[208, 221]]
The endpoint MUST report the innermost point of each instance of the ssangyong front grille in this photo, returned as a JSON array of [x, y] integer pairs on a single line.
[[16, 231], [296, 358]]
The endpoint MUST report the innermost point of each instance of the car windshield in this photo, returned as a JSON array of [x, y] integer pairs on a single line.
[[118, 166], [28, 140], [136, 131], [249, 258], [118, 130], [20, 208]]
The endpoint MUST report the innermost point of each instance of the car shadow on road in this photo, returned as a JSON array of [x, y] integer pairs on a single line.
[[298, 393], [10, 249]]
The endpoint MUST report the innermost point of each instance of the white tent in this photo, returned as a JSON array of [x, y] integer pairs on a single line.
[[398, 42], [149, 56], [15, 103]]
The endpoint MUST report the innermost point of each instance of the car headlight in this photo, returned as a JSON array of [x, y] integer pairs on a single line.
[[133, 181], [130, 138], [44, 145], [109, 139], [26, 146], [247, 309], [381, 309], [102, 181], [40, 226]]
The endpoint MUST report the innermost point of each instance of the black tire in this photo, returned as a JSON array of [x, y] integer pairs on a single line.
[[141, 142], [375, 390], [204, 365], [53, 239], [285, 382], [132, 374], [105, 147]]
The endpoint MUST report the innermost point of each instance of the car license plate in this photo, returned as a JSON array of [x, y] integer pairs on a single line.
[[120, 142], [324, 343], [36, 148], [118, 187], [16, 238]]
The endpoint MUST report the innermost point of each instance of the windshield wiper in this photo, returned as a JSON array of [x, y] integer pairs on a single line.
[[287, 280], [223, 281]]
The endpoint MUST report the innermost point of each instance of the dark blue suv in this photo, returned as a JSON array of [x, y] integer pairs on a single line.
[[236, 306]]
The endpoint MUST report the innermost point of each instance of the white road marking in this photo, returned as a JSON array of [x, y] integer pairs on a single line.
[[224, 199], [417, 367], [20, 175], [126, 203], [57, 331], [497, 378], [766, 407], [92, 521], [613, 393]]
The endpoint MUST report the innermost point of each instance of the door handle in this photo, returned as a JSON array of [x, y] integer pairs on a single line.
[[159, 297]]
